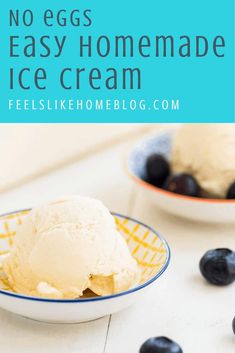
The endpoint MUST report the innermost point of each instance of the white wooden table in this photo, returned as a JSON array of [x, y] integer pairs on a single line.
[[180, 305]]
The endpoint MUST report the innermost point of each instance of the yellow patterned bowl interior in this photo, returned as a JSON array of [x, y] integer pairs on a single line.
[[149, 249]]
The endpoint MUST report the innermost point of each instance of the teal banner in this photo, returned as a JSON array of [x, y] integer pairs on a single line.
[[125, 61]]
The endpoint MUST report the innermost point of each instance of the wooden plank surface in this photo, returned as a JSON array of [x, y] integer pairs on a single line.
[[181, 305], [19, 335]]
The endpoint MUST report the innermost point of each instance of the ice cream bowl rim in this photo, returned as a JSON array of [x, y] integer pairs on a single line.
[[98, 298], [147, 186]]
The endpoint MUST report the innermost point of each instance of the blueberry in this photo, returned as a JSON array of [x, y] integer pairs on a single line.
[[157, 168], [183, 184], [218, 266], [160, 345], [234, 326], [231, 192]]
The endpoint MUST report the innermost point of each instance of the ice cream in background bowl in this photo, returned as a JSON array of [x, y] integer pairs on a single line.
[[71, 260], [204, 151], [207, 151]]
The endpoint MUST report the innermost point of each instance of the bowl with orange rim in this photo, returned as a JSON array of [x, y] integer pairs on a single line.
[[193, 208]]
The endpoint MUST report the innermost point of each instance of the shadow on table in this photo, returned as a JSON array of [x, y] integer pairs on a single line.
[[23, 335]]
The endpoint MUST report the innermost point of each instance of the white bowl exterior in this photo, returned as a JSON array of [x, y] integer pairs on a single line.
[[73, 312], [193, 210]]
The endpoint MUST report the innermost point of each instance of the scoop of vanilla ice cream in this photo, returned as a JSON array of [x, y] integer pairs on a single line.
[[206, 151], [66, 246]]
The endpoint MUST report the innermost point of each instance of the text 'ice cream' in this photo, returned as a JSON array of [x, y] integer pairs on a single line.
[[67, 246]]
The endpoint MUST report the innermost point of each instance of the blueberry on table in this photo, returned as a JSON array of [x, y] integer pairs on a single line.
[[160, 345], [157, 168], [183, 184], [231, 192], [234, 326], [218, 266]]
